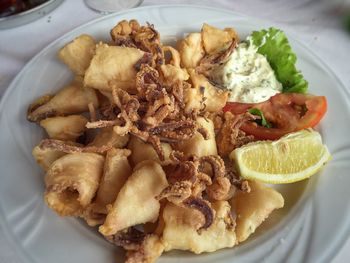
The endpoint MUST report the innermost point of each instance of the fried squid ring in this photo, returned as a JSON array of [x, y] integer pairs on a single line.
[[146, 38], [72, 181], [221, 188], [187, 183], [147, 79], [177, 193]]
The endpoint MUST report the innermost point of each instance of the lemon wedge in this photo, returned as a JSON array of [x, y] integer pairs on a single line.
[[294, 157]]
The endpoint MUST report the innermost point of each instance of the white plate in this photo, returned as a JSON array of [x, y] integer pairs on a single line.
[[311, 228]]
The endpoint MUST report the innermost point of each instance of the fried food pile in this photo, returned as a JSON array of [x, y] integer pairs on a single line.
[[138, 144]]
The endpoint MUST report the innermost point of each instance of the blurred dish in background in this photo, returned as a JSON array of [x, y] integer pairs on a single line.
[[18, 12], [110, 6], [11, 7]]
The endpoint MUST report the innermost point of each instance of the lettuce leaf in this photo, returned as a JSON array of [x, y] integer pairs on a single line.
[[273, 44], [262, 121]]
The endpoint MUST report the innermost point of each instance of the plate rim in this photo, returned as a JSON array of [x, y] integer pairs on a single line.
[[337, 244]]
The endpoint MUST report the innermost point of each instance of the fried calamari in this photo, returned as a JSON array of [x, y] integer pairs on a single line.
[[72, 181], [115, 173], [72, 99], [138, 144], [78, 53], [229, 136], [190, 177], [154, 114], [136, 202], [146, 38]]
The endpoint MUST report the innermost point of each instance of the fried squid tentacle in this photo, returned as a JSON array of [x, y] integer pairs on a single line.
[[130, 239], [204, 207], [230, 136]]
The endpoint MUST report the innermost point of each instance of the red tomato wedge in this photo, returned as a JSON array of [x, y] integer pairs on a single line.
[[288, 112]]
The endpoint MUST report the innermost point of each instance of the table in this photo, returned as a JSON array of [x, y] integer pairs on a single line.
[[317, 23]]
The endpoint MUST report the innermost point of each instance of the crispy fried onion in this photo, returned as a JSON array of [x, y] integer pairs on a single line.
[[230, 136], [155, 114], [63, 146], [146, 38], [102, 124], [190, 177]]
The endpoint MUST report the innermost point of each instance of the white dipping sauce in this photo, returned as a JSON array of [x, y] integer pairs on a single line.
[[247, 75]]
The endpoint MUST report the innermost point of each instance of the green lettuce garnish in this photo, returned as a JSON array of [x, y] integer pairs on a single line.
[[262, 121], [273, 44]]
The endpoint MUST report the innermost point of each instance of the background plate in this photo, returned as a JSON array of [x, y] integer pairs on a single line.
[[311, 228], [29, 15]]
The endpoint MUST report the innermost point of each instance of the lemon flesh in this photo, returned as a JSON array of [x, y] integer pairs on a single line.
[[294, 157]]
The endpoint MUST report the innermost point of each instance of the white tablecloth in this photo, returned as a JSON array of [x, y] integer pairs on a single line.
[[318, 23]]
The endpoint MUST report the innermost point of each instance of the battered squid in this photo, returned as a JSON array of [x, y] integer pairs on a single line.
[[213, 97], [191, 50], [72, 99], [106, 136], [141, 151], [180, 229], [78, 53], [136, 202], [216, 40], [45, 157], [72, 181], [152, 170], [253, 207], [67, 128], [116, 172], [147, 252], [172, 71], [199, 145], [112, 63]]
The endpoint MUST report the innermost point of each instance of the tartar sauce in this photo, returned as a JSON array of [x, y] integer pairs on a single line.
[[247, 75]]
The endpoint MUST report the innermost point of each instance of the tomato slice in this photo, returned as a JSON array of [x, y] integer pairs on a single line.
[[288, 112]]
